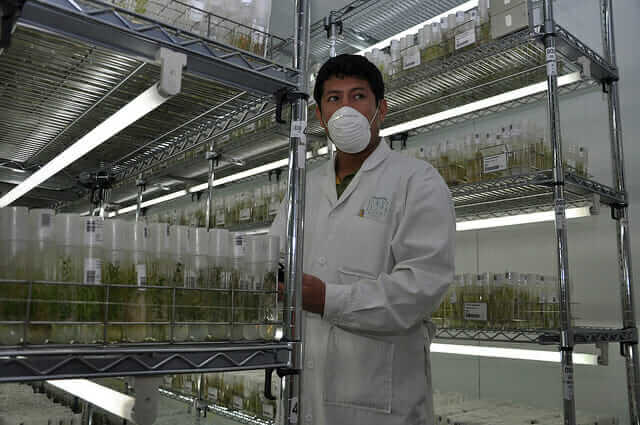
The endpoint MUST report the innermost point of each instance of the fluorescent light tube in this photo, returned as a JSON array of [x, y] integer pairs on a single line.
[[414, 30], [150, 202], [478, 105], [514, 220], [105, 398], [242, 175], [130, 113], [511, 353]]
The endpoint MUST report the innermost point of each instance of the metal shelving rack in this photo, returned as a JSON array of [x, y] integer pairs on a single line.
[[240, 84]]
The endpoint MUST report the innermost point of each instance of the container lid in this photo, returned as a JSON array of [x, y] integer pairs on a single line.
[[219, 243], [200, 241], [14, 223], [41, 222], [68, 230], [118, 235], [93, 231]]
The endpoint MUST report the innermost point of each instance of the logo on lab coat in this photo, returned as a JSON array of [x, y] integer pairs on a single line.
[[376, 208]]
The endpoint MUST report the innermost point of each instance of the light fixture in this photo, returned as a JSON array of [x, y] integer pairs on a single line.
[[511, 353], [150, 202], [242, 175], [107, 399], [13, 168], [130, 113], [478, 105], [414, 30], [514, 220]]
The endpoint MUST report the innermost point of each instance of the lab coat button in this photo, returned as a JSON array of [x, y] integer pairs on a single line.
[[309, 364], [308, 418], [322, 261]]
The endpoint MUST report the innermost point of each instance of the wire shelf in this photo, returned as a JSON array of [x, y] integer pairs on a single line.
[[41, 363], [538, 336]]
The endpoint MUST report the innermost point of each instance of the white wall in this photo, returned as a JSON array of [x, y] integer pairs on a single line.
[[592, 249]]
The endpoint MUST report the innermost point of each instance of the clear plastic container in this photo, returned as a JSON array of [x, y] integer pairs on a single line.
[[159, 249], [118, 266], [182, 277], [14, 243], [92, 310], [269, 299], [180, 241], [68, 237], [220, 245], [42, 261]]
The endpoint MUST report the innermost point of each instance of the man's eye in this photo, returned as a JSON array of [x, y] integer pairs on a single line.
[[332, 99], [359, 96]]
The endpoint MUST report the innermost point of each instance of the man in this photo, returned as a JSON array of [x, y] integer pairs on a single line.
[[378, 256]]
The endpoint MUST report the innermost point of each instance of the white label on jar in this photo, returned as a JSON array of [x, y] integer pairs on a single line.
[[93, 232], [237, 402], [465, 38], [506, 2], [267, 411], [508, 21], [493, 163], [274, 207], [475, 311], [213, 394], [141, 274], [411, 59], [167, 380], [92, 271], [245, 214], [220, 218]]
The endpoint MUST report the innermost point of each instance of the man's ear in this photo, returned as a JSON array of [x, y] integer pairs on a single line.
[[319, 117], [382, 112]]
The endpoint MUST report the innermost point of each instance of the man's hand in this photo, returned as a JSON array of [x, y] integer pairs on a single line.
[[313, 293]]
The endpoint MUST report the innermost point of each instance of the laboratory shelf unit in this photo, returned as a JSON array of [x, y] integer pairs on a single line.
[[65, 362]]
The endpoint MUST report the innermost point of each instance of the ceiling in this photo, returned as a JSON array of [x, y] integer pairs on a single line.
[[54, 89]]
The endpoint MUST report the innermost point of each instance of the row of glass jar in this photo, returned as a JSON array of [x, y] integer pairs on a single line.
[[514, 149], [236, 391], [259, 205], [508, 300], [454, 33], [242, 24]]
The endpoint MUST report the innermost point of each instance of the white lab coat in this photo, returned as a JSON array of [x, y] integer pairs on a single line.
[[385, 251]]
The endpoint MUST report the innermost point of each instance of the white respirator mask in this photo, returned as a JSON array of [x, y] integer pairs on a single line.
[[349, 130]]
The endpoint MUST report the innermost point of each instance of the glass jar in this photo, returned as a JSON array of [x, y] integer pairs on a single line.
[[158, 263], [220, 244], [14, 243], [42, 261], [182, 277], [239, 286]]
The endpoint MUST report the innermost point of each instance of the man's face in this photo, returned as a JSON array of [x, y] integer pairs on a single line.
[[353, 92]]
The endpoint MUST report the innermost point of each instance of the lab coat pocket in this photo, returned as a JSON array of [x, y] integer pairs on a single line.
[[365, 245], [359, 371]]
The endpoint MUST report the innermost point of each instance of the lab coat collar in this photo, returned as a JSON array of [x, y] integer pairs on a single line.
[[376, 158]]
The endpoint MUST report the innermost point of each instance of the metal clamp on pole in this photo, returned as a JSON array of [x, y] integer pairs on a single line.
[[212, 157], [333, 26], [287, 96], [142, 186], [268, 375]]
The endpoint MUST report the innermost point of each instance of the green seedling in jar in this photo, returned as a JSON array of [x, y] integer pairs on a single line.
[[155, 274], [177, 277], [67, 270]]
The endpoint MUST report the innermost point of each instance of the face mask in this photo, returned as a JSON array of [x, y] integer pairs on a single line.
[[349, 130]]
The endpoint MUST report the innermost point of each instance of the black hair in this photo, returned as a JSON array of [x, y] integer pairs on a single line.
[[349, 66]]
